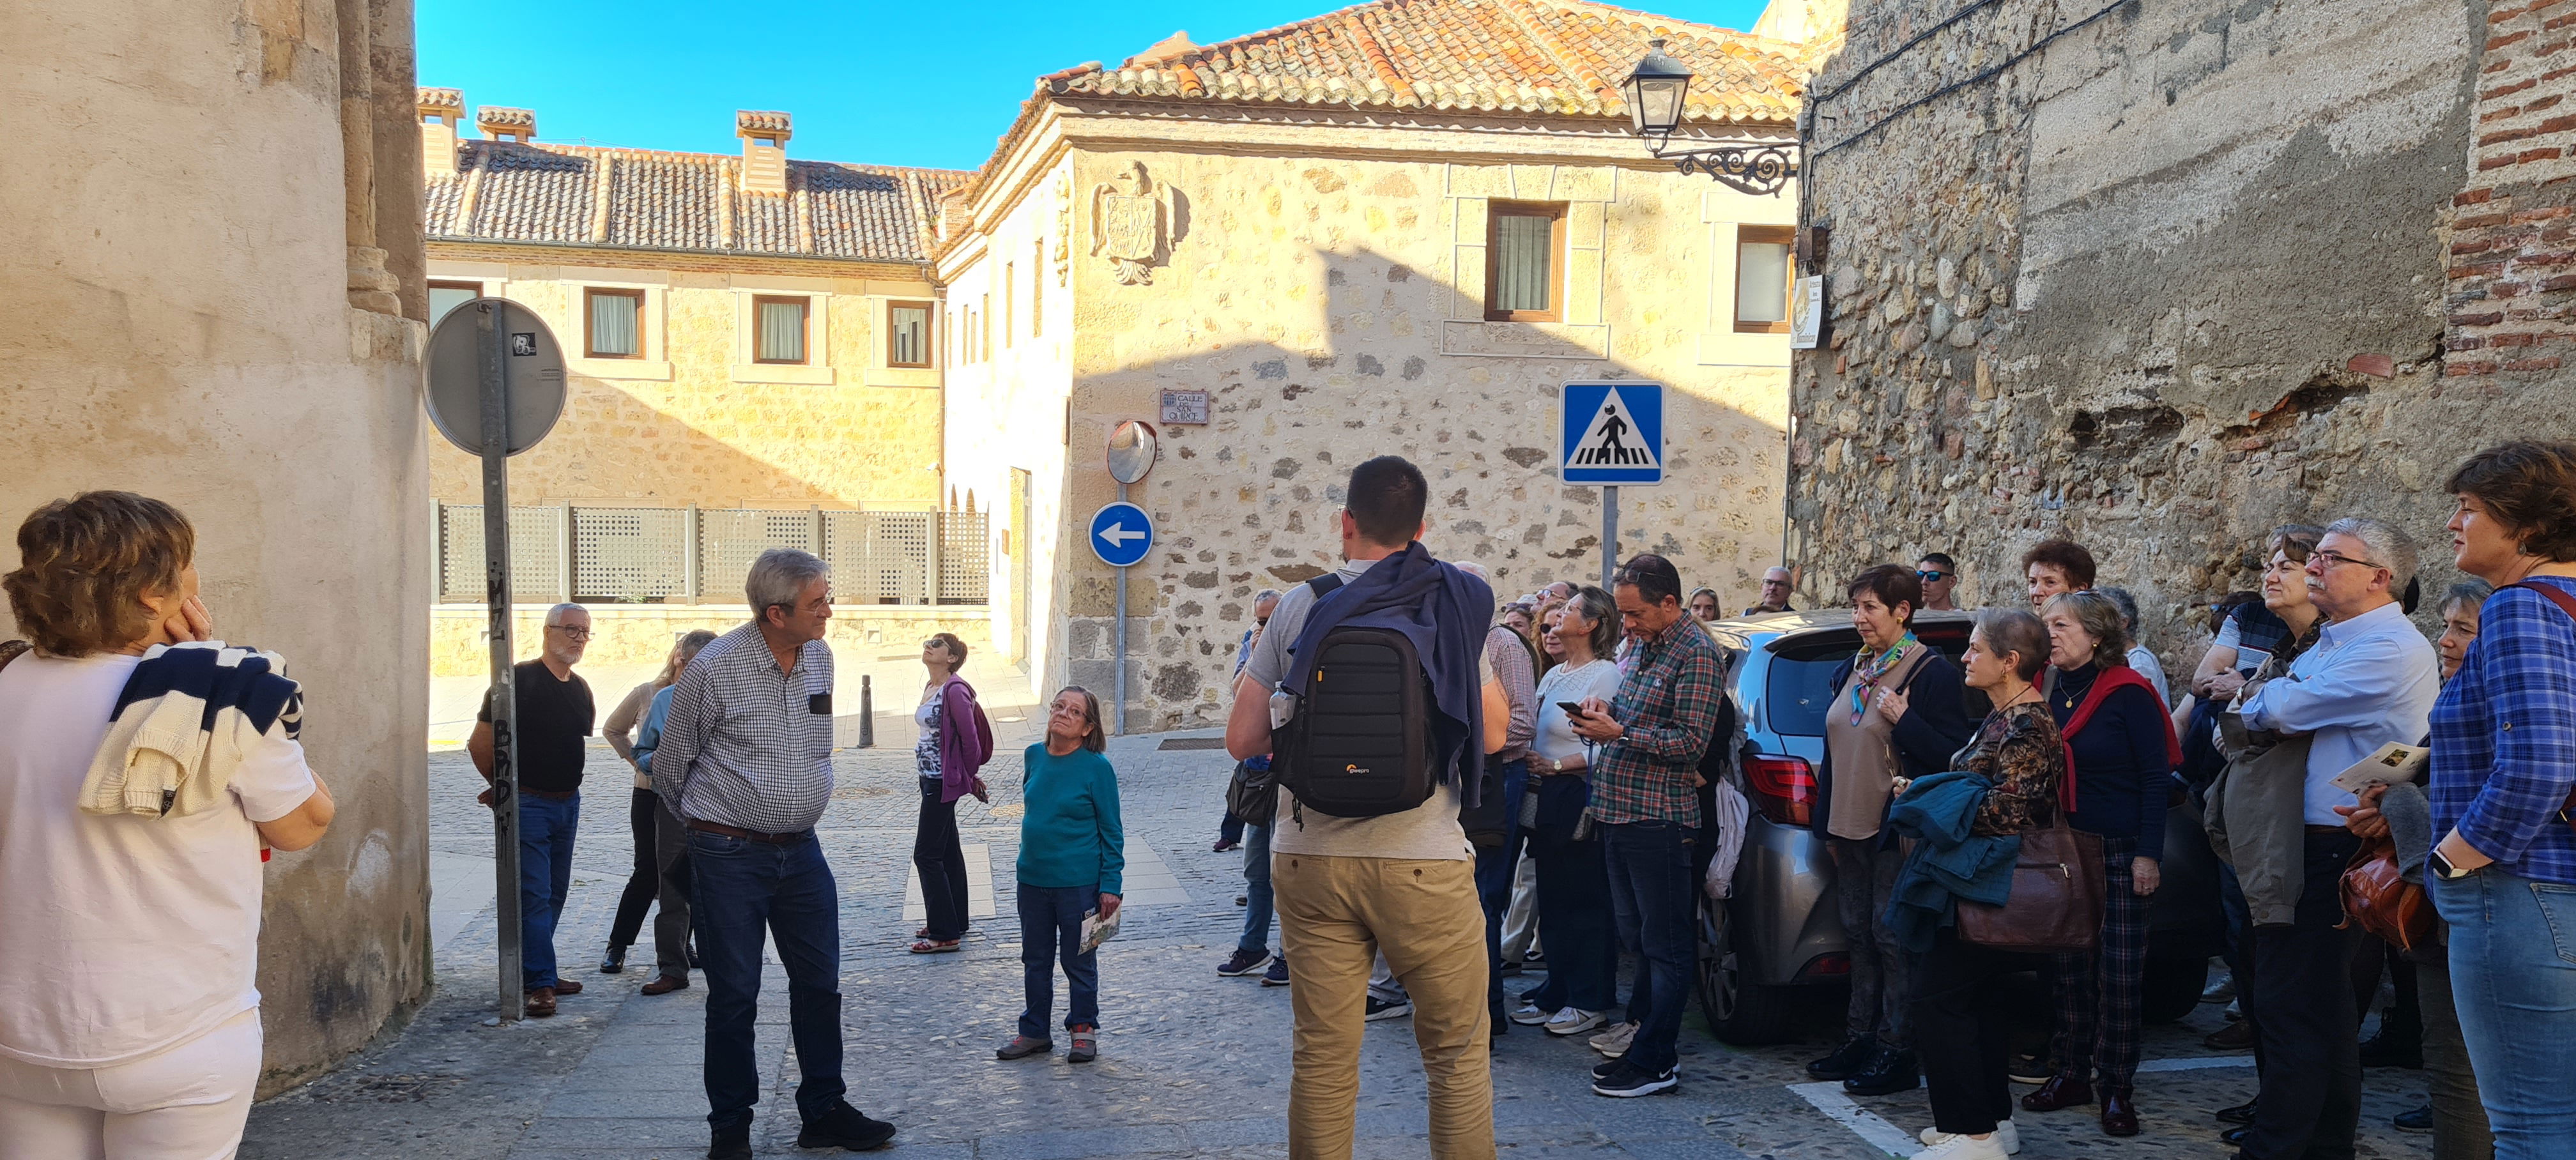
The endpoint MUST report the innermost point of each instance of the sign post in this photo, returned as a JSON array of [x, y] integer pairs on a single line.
[[1121, 534], [1611, 434], [498, 364]]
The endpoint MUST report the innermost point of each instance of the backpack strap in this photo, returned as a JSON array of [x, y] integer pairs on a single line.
[[2566, 604], [1326, 584]]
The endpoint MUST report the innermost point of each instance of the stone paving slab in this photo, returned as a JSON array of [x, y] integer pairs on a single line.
[[1192, 1065]]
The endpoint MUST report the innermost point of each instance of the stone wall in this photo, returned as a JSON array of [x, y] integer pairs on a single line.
[[2159, 285], [213, 262], [1331, 302], [695, 420]]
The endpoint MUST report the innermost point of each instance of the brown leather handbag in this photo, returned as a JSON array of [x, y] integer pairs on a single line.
[[2057, 896], [2378, 898]]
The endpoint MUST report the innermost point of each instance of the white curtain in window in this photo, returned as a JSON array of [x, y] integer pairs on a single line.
[[782, 332], [908, 323], [445, 298], [613, 325], [1521, 258], [1762, 282]]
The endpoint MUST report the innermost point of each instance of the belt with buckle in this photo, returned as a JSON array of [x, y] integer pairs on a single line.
[[765, 839]]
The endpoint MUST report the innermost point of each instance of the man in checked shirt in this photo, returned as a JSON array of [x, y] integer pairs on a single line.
[[1645, 798], [746, 758]]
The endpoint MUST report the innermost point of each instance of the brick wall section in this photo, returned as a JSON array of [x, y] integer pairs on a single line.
[[2512, 258]]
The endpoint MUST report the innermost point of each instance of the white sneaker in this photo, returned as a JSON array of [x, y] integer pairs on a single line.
[[2005, 1134], [1966, 1148], [1575, 1021], [1528, 1014], [1614, 1042]]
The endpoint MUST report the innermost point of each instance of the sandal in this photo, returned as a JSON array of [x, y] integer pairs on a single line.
[[1086, 1046], [1022, 1047], [922, 933], [934, 947]]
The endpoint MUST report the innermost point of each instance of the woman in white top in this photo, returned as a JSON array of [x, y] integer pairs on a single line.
[[1573, 882], [129, 1014]]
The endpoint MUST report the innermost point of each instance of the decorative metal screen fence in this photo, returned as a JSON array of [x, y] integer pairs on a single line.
[[627, 555]]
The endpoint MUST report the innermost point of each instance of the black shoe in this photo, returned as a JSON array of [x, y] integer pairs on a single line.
[[1848, 1060], [1889, 1071], [2393, 1046], [1244, 963], [1603, 1069], [2240, 1114], [2235, 1137], [614, 962], [2416, 1121], [1277, 975], [844, 1127], [1636, 1081], [731, 1144]]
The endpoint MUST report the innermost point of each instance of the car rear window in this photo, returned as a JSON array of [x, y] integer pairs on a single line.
[[1799, 693]]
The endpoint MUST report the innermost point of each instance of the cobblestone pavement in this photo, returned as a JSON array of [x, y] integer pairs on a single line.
[[1191, 1064]]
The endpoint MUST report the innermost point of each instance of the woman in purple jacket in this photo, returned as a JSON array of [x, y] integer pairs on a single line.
[[955, 743]]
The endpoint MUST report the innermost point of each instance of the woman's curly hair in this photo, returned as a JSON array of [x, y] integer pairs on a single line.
[[84, 565]]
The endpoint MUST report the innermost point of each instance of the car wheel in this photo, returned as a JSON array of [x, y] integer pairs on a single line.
[[1740, 1013], [2171, 987]]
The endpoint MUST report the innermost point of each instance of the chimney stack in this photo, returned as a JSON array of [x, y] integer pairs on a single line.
[[764, 149], [499, 124], [440, 110]]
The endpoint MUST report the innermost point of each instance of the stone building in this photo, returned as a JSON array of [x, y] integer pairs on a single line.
[[209, 241], [751, 354], [2162, 276], [1398, 227]]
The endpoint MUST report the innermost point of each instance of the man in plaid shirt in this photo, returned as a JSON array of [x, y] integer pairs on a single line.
[[1645, 799]]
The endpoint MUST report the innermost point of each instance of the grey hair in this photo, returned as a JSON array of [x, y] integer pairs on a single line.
[[1264, 594], [555, 615], [2099, 617], [2395, 549], [2471, 592], [778, 577], [1474, 569], [2128, 604], [1595, 605]]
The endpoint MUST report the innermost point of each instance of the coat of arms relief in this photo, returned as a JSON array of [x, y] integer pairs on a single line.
[[1131, 224]]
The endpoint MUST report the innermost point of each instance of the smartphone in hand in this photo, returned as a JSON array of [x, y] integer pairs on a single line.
[[1572, 708]]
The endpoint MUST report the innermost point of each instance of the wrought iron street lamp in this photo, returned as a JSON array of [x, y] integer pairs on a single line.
[[1655, 90]]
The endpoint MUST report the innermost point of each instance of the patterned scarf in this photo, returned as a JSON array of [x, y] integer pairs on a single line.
[[1866, 673]]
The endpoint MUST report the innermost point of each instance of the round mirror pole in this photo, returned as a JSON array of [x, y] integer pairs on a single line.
[[1132, 447]]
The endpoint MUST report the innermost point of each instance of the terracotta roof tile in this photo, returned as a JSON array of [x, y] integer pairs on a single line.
[[543, 192]]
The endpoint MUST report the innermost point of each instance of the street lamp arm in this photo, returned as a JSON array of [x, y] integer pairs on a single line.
[[1754, 167]]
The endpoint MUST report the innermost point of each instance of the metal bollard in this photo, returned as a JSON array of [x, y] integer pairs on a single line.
[[867, 714]]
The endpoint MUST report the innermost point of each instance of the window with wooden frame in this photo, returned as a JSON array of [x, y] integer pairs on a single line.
[[1524, 261], [613, 323], [1762, 268], [778, 328], [907, 334], [446, 296]]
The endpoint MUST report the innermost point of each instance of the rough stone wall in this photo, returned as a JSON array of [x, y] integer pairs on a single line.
[[2163, 284], [2512, 270], [214, 274], [1333, 308], [694, 420]]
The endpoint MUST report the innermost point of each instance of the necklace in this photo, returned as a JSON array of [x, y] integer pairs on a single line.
[[1867, 674], [2072, 691]]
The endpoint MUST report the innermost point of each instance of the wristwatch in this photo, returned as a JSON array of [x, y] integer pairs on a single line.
[[2442, 868]]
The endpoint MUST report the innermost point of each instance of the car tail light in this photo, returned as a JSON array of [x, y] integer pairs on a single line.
[[1825, 967], [1783, 788]]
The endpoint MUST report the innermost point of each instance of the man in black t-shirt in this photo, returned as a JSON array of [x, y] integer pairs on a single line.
[[554, 714]]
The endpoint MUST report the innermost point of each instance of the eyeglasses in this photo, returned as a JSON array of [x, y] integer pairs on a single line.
[[1933, 575], [571, 632], [2335, 558]]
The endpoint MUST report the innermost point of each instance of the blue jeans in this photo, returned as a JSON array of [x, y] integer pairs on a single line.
[[1650, 894], [1494, 871], [2513, 980], [1256, 890], [546, 830], [1051, 929], [738, 888]]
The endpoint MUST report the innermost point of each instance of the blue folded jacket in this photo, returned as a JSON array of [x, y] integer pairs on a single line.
[[1949, 861]]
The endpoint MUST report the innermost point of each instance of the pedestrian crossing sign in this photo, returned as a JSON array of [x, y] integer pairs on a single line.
[[1613, 433]]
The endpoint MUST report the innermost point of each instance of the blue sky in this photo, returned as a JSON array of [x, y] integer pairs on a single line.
[[891, 84]]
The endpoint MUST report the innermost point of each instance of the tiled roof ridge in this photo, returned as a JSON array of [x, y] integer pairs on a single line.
[[635, 153]]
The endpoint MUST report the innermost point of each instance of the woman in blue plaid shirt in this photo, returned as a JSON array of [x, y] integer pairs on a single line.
[[2503, 770]]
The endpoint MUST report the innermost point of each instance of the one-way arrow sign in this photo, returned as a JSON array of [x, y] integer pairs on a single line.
[[1121, 534]]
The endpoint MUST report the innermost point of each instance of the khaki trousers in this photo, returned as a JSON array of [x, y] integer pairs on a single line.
[[1336, 915]]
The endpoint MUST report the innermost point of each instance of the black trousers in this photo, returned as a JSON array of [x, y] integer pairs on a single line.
[[941, 859], [1962, 1026], [2304, 1018]]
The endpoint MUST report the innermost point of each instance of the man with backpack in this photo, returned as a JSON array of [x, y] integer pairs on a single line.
[[1645, 799], [1368, 692]]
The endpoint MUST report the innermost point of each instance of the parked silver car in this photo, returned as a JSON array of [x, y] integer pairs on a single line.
[[1781, 930]]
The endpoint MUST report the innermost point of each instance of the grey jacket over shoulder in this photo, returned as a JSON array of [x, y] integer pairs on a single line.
[[2256, 812]]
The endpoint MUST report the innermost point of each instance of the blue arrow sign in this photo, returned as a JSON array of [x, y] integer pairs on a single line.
[[1121, 534], [1612, 433]]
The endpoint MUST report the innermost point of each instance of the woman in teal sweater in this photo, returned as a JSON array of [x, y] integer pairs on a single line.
[[1072, 856]]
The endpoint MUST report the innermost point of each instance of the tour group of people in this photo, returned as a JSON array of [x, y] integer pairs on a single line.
[[1560, 805]]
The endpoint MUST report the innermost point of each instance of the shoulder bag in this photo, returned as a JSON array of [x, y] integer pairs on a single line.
[[2057, 897], [2378, 898], [1252, 795]]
